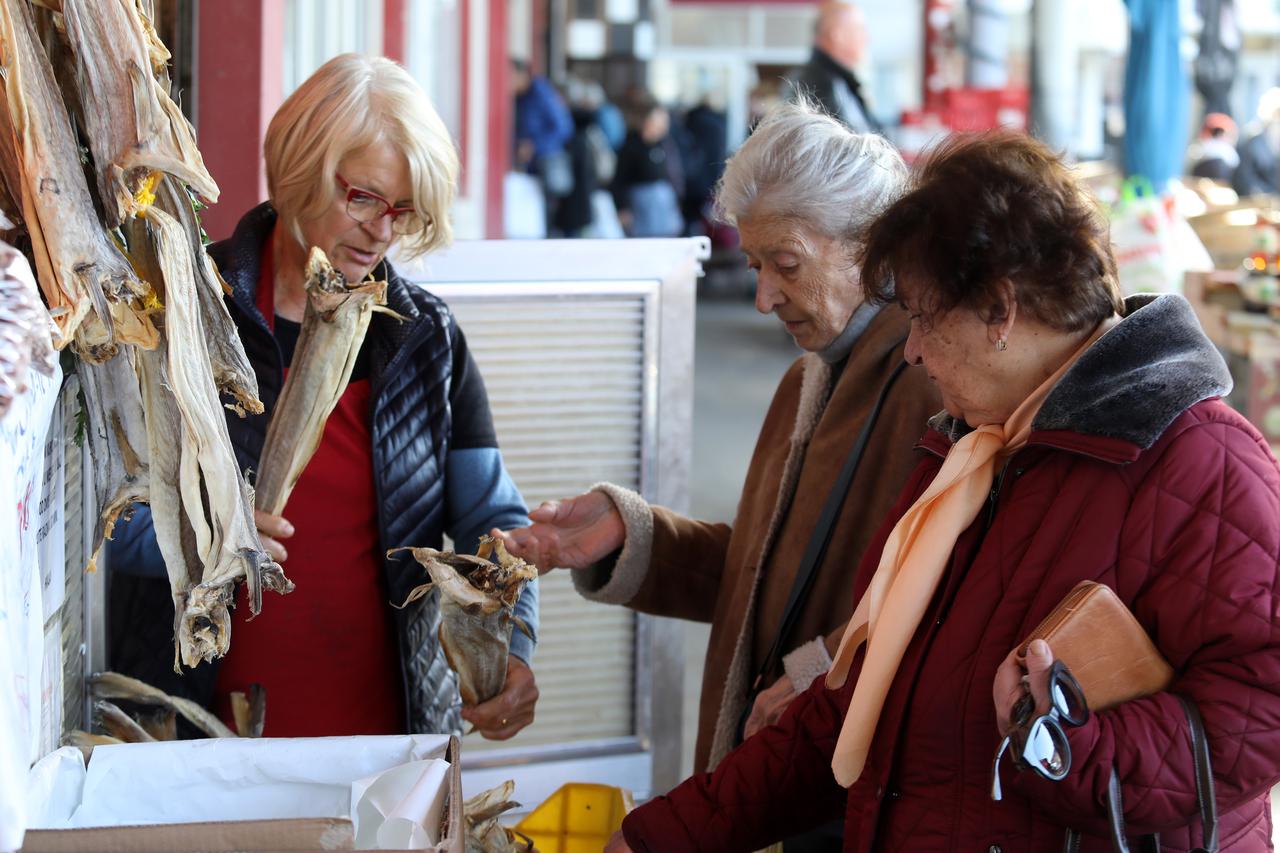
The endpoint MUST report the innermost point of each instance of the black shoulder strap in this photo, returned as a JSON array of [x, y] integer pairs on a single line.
[[822, 531], [1204, 795]]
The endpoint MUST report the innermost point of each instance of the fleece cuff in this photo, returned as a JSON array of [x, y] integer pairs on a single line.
[[617, 578], [806, 663]]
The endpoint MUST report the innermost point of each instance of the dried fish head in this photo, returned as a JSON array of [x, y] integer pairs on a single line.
[[477, 598]]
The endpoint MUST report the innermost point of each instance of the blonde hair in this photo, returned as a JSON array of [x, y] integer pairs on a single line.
[[352, 102]]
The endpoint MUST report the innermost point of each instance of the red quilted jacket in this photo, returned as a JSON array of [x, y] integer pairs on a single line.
[[1136, 475]]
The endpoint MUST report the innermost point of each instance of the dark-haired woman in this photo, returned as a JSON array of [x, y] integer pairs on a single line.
[[1083, 438]]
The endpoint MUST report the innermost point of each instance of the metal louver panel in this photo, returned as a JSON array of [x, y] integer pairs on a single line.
[[569, 382]]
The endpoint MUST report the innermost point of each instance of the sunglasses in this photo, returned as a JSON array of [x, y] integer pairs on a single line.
[[1041, 743], [367, 206]]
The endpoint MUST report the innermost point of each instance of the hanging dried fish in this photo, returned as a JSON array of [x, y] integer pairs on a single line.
[[207, 535], [118, 724], [85, 279], [118, 442], [477, 599], [26, 332], [132, 125], [113, 685], [333, 327], [231, 368]]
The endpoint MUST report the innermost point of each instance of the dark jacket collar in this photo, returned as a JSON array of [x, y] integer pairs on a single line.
[[1130, 385], [239, 259], [824, 60]]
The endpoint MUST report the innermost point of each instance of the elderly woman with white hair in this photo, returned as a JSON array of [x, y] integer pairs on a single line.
[[834, 448], [357, 163]]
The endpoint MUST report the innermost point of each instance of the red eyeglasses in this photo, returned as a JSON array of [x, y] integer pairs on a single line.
[[367, 206]]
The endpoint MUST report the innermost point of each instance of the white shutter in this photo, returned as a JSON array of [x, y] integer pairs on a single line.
[[567, 383]]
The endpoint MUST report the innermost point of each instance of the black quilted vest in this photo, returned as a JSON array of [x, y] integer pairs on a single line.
[[411, 362]]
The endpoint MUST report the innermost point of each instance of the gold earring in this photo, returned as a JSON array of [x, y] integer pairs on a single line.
[[1001, 345]]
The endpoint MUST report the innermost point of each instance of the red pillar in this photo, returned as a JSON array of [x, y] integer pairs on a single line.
[[395, 29], [240, 74], [501, 107]]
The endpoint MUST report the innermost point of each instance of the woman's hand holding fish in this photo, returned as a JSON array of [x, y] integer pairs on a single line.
[[512, 709], [574, 533], [271, 529]]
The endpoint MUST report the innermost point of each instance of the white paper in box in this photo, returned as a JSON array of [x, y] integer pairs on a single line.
[[228, 779]]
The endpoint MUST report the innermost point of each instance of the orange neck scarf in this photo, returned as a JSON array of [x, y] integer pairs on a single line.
[[912, 564]]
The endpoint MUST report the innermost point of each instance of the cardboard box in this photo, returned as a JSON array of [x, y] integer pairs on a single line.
[[251, 836]]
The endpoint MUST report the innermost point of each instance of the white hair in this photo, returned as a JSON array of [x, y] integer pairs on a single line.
[[801, 164]]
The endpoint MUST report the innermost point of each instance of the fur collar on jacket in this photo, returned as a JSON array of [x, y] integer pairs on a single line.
[[1135, 380]]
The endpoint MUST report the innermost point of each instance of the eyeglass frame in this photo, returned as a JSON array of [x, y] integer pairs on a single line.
[[390, 209], [1020, 734]]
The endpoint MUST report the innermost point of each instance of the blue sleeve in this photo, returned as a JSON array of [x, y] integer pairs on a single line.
[[480, 495], [133, 549]]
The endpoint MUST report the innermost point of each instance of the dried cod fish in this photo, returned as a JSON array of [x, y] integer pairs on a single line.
[[232, 371], [484, 833], [333, 327], [115, 722], [249, 712], [477, 598], [211, 524], [119, 447], [26, 331], [132, 125], [113, 685], [85, 279]]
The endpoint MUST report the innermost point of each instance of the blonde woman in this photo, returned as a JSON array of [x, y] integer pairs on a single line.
[[357, 161]]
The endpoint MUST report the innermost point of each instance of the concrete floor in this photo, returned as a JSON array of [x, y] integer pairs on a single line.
[[740, 357]]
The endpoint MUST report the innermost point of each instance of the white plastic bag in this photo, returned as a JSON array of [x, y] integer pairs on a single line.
[[524, 209], [1154, 245]]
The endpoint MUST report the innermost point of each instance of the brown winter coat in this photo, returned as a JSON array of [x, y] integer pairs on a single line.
[[676, 566]]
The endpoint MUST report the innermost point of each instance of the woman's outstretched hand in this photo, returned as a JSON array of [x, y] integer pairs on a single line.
[[573, 533]]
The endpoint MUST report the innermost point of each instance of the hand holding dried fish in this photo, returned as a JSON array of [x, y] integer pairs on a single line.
[[333, 326], [26, 341], [477, 598]]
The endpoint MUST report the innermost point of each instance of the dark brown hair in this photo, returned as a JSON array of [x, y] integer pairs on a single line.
[[990, 206]]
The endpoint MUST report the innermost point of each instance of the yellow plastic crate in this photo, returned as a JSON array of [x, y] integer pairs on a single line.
[[580, 817]]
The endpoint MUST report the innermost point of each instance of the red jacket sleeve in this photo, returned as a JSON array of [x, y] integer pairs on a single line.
[[776, 784], [779, 783], [1198, 562]]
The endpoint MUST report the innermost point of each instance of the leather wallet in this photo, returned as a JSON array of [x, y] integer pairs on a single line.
[[1108, 652]]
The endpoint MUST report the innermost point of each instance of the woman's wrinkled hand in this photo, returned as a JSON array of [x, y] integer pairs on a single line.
[[271, 529], [1009, 686], [769, 705], [501, 717], [573, 533], [617, 844]]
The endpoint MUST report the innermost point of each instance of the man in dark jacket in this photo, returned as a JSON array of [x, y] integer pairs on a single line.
[[839, 44]]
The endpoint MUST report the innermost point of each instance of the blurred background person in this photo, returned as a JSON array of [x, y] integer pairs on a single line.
[[1214, 154], [1259, 169], [830, 76], [649, 178], [705, 148], [543, 128]]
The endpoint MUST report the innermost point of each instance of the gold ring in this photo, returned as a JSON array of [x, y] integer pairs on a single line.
[[504, 721]]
